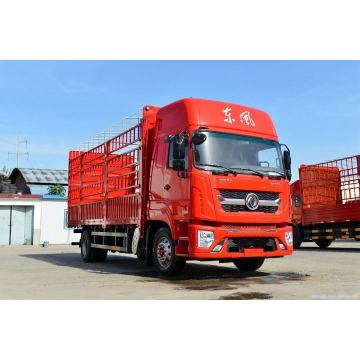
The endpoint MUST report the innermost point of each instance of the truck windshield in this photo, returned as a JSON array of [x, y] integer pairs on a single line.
[[221, 151]]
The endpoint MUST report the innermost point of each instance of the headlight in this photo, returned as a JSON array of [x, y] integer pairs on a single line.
[[289, 238], [205, 238]]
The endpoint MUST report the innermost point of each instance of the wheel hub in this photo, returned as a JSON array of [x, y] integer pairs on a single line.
[[163, 252]]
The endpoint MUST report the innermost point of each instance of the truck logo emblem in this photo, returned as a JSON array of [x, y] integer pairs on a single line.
[[252, 201], [246, 118], [227, 112]]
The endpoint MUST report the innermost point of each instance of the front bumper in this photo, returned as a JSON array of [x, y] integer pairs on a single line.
[[247, 235]]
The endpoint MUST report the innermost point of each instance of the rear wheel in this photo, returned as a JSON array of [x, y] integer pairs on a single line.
[[89, 254], [323, 244], [298, 236], [165, 259], [250, 264]]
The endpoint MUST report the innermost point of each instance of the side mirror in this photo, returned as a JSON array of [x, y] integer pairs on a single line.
[[178, 164], [179, 144], [287, 163], [198, 138]]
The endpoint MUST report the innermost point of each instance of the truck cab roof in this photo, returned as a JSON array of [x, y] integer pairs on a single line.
[[224, 117]]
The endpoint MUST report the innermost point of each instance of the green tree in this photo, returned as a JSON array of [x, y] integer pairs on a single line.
[[56, 189], [4, 173]]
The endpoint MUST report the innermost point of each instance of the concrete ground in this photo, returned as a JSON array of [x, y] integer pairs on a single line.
[[58, 273]]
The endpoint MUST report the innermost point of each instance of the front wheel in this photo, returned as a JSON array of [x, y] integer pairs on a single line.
[[250, 264], [165, 259], [323, 244]]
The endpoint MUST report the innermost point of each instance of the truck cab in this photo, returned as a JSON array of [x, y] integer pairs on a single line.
[[220, 181]]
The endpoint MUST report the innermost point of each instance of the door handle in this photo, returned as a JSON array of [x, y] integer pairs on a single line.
[[167, 187]]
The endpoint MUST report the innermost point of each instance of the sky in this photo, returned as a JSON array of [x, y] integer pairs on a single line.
[[58, 105]]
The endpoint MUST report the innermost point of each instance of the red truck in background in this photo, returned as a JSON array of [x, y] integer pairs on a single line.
[[325, 202], [193, 180]]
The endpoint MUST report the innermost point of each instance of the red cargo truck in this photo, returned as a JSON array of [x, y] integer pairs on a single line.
[[325, 202], [196, 179]]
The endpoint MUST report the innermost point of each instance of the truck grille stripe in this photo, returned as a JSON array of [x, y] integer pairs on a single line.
[[234, 201]]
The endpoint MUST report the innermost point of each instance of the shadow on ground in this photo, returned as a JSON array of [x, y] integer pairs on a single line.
[[126, 265], [196, 277]]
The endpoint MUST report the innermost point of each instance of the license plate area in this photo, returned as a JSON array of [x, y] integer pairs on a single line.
[[240, 245]]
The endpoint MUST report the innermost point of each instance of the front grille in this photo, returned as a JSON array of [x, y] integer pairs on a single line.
[[233, 194], [241, 195], [240, 244]]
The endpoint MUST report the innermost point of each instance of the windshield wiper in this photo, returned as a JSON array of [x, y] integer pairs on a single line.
[[255, 172], [236, 171], [228, 170]]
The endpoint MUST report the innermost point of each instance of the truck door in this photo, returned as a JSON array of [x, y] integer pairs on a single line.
[[176, 185], [169, 189]]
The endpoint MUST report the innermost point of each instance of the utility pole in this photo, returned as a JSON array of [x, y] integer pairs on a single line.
[[18, 152]]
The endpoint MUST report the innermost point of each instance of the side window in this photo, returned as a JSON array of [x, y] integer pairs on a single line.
[[171, 156], [269, 158]]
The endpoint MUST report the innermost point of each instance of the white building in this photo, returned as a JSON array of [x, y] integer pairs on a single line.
[[27, 216], [34, 220]]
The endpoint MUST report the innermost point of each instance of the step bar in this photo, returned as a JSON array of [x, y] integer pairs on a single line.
[[109, 247]]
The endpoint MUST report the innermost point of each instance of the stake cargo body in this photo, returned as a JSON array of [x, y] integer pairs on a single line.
[[326, 201], [104, 184], [196, 179]]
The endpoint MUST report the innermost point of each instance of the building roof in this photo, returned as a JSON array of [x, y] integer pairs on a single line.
[[19, 197], [42, 176], [54, 197]]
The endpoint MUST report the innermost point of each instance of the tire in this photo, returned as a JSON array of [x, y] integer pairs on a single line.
[[249, 264], [298, 236], [89, 254], [323, 244], [165, 260]]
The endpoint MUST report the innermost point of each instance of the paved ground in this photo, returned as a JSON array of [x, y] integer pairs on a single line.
[[58, 273]]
